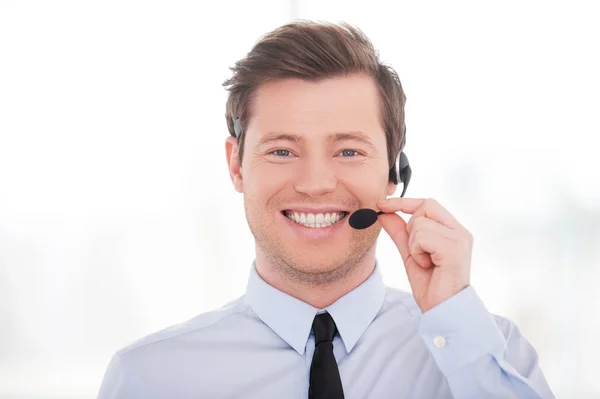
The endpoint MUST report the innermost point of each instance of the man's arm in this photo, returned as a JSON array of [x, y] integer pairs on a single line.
[[481, 355]]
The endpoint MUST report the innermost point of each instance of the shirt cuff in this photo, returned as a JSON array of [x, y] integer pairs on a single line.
[[460, 330]]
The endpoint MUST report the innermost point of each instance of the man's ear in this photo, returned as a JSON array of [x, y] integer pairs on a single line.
[[235, 169]]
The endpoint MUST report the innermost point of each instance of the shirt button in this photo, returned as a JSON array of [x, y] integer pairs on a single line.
[[439, 341]]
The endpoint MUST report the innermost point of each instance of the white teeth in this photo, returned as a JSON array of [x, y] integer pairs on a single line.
[[318, 220]]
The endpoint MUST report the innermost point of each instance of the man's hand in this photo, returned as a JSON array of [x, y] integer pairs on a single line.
[[435, 248]]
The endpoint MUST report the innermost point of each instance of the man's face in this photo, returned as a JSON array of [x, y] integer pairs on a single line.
[[314, 153]]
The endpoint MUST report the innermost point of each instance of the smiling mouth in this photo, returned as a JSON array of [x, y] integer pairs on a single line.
[[315, 220]]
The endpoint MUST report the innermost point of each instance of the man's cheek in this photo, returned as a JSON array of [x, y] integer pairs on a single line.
[[367, 189]]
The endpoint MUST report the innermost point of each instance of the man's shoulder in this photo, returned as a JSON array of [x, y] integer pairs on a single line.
[[199, 324]]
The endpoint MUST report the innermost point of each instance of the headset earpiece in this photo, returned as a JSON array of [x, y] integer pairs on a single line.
[[237, 127], [404, 171]]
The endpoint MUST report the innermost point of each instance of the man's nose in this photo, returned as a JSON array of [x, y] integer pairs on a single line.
[[316, 178]]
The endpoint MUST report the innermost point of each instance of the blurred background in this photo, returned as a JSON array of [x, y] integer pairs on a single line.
[[118, 217]]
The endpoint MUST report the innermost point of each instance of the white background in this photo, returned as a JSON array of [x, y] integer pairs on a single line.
[[118, 218]]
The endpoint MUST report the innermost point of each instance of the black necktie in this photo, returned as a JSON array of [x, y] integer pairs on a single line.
[[325, 382]]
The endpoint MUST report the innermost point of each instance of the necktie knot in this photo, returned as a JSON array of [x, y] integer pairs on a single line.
[[324, 328]]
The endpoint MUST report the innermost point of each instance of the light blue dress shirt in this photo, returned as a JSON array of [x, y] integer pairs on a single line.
[[261, 346]]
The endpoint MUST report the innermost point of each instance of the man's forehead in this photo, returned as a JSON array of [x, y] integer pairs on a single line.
[[326, 95], [325, 130], [323, 110]]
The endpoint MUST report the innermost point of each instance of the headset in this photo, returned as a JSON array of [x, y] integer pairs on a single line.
[[401, 165], [404, 171]]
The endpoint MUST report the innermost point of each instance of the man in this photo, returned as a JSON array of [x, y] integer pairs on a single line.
[[316, 125]]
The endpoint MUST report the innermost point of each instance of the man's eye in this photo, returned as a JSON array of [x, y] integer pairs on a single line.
[[349, 153], [281, 153]]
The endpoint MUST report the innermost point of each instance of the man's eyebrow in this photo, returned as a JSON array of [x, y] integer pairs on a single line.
[[267, 138], [353, 135], [333, 137]]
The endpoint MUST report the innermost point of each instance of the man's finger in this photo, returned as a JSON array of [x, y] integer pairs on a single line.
[[419, 247], [428, 242], [395, 226], [400, 204], [417, 223], [427, 207]]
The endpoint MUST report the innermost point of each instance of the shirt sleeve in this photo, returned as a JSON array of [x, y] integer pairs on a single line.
[[116, 384], [481, 355]]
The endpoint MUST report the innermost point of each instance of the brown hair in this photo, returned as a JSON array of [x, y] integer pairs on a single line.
[[314, 51]]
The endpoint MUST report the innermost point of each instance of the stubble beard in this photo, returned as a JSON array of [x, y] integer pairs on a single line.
[[317, 276], [287, 265]]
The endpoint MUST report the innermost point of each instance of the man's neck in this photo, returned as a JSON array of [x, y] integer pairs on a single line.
[[318, 296]]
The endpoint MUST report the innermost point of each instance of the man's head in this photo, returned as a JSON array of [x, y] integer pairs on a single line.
[[322, 121]]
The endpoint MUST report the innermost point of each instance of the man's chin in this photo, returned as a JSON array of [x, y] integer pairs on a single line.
[[317, 267], [311, 263]]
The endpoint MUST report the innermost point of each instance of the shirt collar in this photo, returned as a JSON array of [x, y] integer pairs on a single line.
[[292, 319]]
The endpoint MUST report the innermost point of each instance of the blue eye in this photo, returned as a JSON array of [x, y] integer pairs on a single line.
[[349, 153], [281, 153]]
